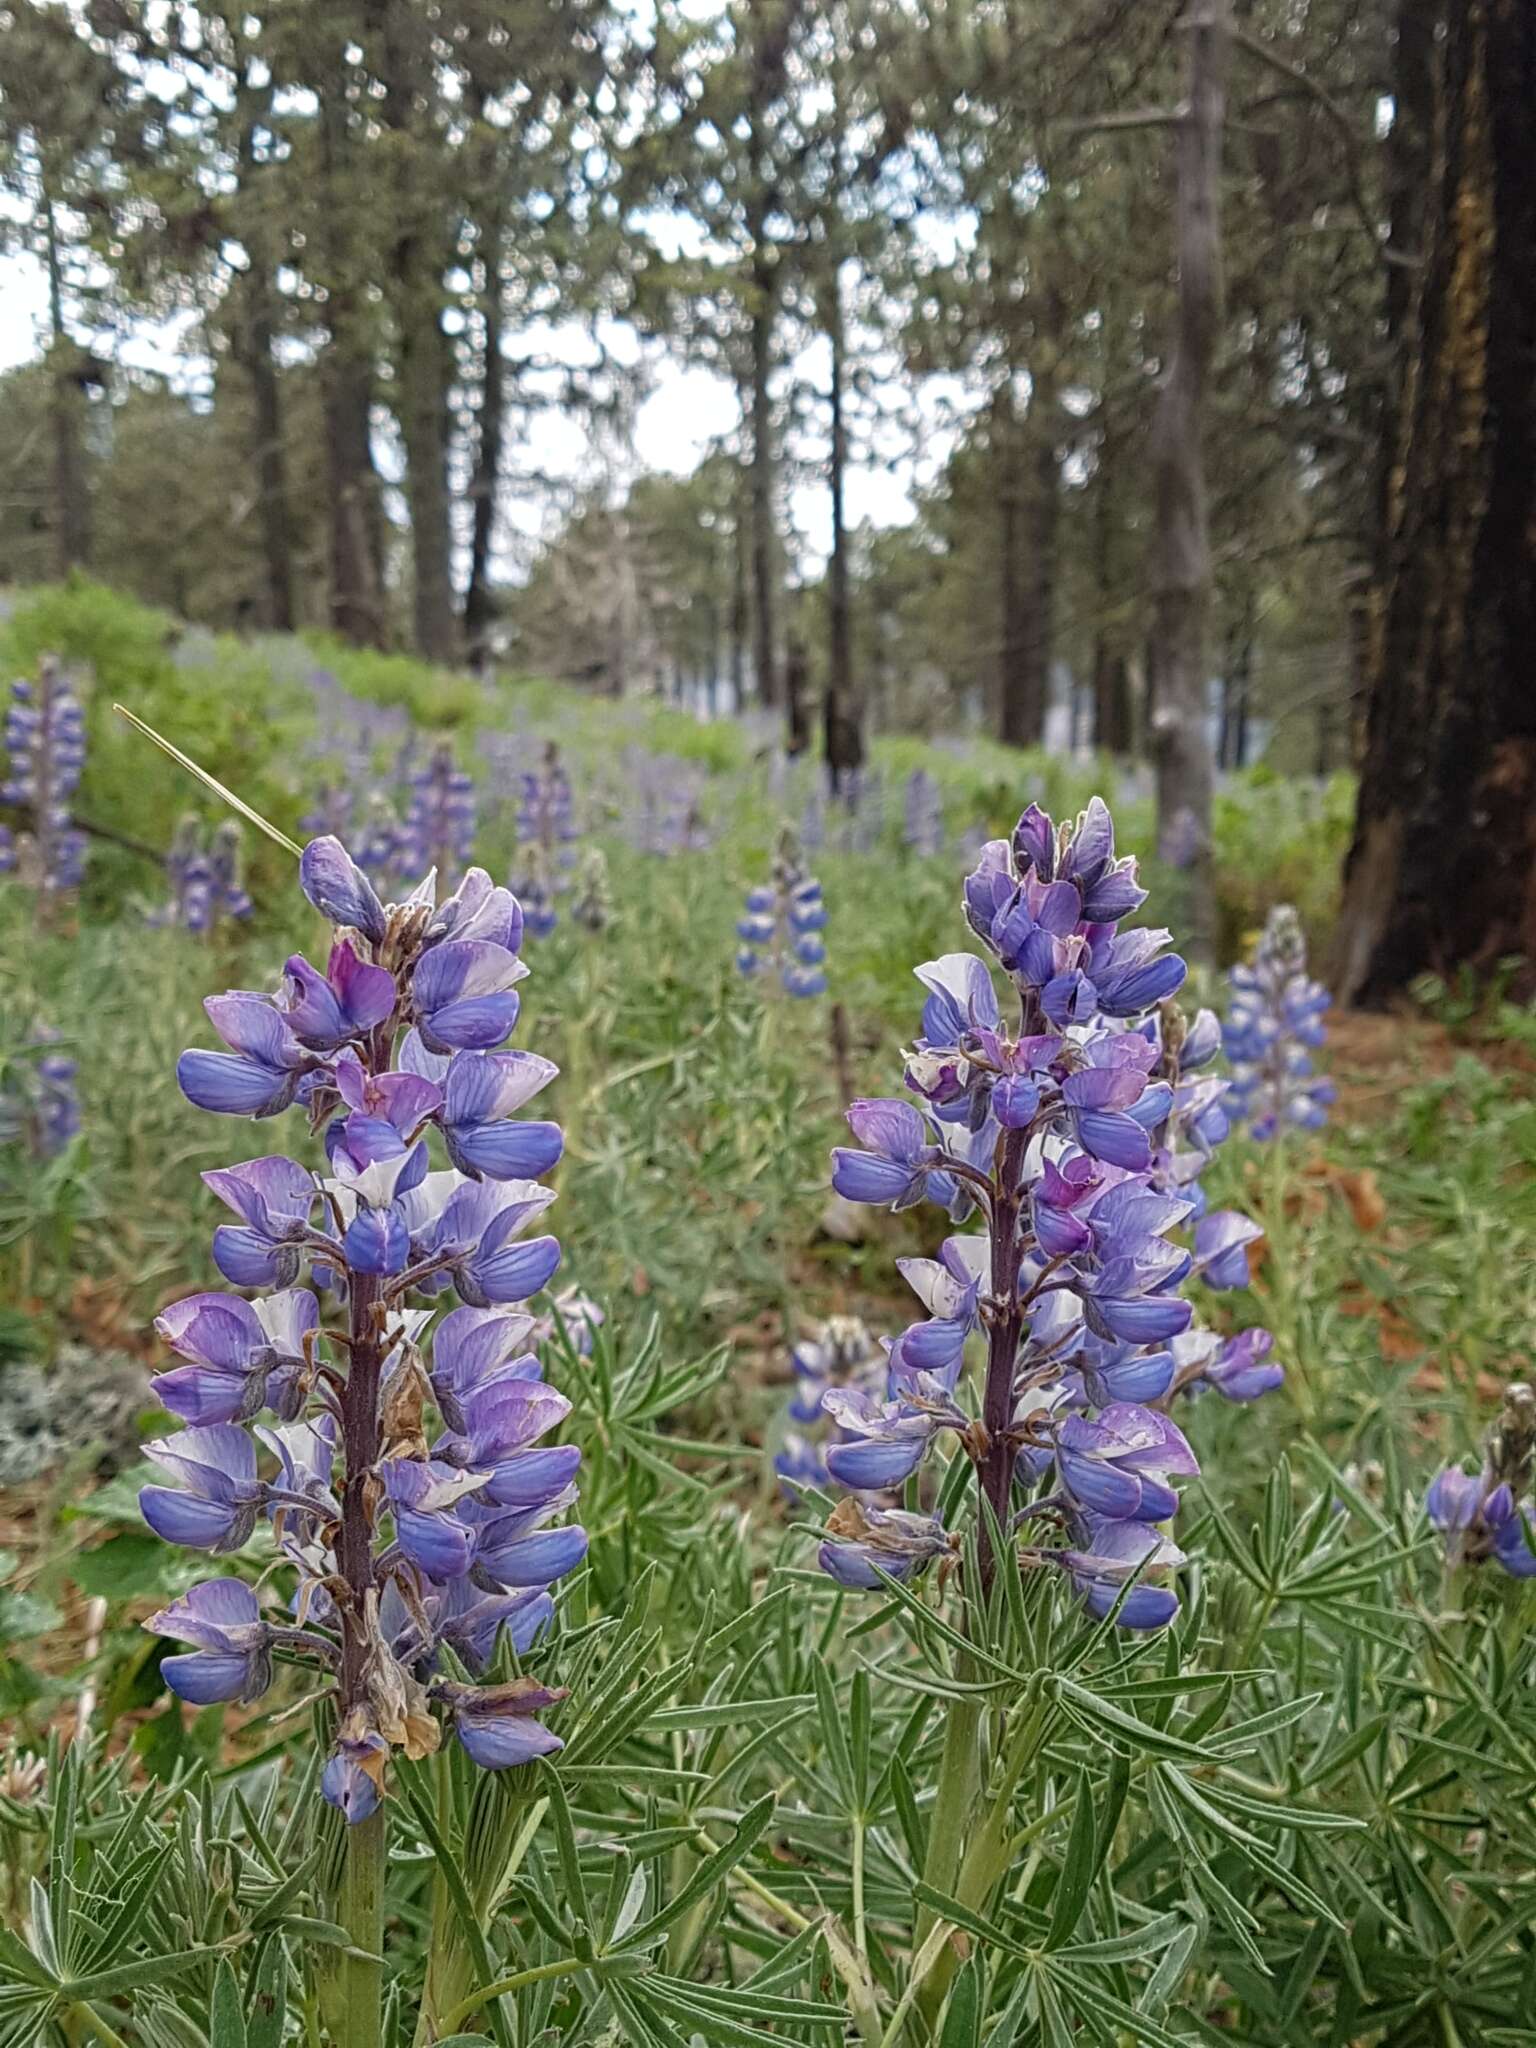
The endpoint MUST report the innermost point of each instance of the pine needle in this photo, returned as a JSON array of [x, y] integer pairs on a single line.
[[209, 782]]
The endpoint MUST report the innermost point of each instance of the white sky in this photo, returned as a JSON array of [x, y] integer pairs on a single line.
[[688, 408]]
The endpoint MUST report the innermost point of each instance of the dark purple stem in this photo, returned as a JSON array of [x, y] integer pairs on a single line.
[[1003, 1341], [1005, 1216], [360, 1439]]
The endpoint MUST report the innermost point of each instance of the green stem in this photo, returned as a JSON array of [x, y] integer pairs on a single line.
[[562, 1966], [782, 1907], [360, 1909], [96, 2026], [959, 1775], [859, 1938]]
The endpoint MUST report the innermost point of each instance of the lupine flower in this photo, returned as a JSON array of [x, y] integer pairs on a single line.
[[780, 930], [546, 826], [232, 1658], [1060, 1128], [439, 830], [922, 824], [1489, 1514], [39, 1105], [44, 739], [841, 1356], [205, 885], [863, 1541], [1272, 1029], [394, 1049]]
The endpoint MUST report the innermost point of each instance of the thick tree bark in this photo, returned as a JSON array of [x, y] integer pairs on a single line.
[[1442, 871], [1181, 552], [66, 404], [844, 711]]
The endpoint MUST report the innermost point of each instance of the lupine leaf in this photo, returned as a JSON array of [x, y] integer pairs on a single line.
[[1079, 1867], [226, 2016]]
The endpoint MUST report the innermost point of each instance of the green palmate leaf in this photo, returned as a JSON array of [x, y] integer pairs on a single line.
[[1091, 1999], [1100, 1716], [1172, 1964], [956, 1915], [1133, 1946], [137, 1886], [150, 1970], [716, 2023], [756, 2003], [731, 1713], [269, 1999], [1085, 1851], [575, 1887], [967, 2003], [834, 1734], [15, 1956], [749, 1831], [226, 2015]]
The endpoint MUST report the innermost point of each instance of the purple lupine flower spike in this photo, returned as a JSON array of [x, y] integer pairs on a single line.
[[1065, 1117], [402, 1546], [1272, 1030], [546, 827], [780, 929], [1490, 1514], [44, 743]]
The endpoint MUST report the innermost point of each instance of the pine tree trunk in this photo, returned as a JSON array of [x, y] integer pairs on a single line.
[[356, 538], [479, 609], [1044, 479], [1111, 699], [1442, 871], [270, 461], [1407, 158], [764, 550], [257, 323], [1013, 722], [741, 602], [1181, 555], [844, 716], [71, 498], [422, 361]]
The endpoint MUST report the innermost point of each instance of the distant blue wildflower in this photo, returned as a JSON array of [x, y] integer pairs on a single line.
[[1272, 1030], [781, 925], [44, 738]]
